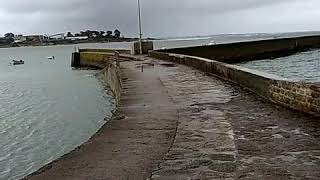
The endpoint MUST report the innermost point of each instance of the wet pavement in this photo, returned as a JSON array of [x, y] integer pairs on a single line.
[[225, 132], [132, 143], [177, 123]]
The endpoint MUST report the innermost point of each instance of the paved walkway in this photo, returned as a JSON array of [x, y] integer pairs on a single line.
[[132, 144], [176, 123], [225, 132]]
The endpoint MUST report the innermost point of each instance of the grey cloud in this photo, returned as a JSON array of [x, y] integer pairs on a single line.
[[160, 18]]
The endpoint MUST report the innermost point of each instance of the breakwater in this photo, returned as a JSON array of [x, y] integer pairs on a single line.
[[171, 114], [299, 96], [252, 50]]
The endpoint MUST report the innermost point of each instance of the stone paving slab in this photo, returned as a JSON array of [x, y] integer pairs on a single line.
[[132, 144], [226, 132]]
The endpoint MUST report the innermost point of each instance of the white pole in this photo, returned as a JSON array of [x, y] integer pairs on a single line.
[[140, 29]]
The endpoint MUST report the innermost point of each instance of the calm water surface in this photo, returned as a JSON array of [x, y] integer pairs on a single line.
[[303, 66], [46, 108]]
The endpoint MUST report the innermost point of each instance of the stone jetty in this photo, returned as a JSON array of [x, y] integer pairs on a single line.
[[181, 117]]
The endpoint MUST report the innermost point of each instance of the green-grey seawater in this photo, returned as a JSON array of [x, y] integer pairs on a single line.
[[304, 66], [46, 108]]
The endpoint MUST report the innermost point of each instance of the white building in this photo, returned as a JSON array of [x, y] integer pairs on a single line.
[[77, 38], [19, 39]]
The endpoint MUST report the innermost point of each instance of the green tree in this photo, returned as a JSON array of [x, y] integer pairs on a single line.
[[95, 34], [69, 34], [109, 33], [117, 33], [102, 33], [9, 35], [88, 33]]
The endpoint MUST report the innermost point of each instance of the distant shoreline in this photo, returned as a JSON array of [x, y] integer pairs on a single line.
[[69, 42]]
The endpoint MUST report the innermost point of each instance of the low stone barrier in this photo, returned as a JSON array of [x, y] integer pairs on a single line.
[[295, 95]]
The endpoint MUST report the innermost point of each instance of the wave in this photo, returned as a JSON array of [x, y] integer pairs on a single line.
[[187, 39]]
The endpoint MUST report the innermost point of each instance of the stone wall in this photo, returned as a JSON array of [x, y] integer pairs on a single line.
[[110, 65], [94, 59], [246, 51], [301, 96], [111, 74], [100, 59], [295, 95]]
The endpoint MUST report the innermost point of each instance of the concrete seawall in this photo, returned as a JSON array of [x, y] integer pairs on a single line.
[[108, 62], [94, 60], [110, 65], [97, 58], [111, 74], [253, 50], [295, 95]]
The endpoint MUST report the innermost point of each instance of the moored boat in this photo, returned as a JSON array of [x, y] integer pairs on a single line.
[[51, 57], [15, 62]]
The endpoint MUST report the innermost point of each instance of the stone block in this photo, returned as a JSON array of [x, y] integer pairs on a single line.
[[315, 88], [146, 47], [315, 94]]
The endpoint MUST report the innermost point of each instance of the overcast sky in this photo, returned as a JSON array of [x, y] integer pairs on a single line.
[[161, 18]]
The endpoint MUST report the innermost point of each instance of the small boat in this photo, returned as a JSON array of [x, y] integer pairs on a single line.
[[15, 62], [51, 57]]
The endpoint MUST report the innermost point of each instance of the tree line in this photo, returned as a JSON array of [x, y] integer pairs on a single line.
[[88, 33], [96, 34], [91, 34]]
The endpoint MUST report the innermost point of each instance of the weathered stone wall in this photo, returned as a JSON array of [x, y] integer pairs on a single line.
[[110, 65], [94, 59], [246, 51], [301, 96], [100, 59], [296, 95], [111, 74]]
